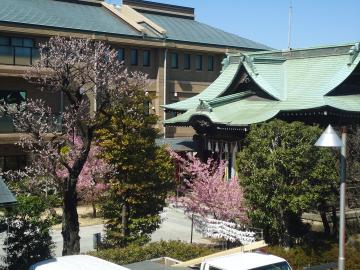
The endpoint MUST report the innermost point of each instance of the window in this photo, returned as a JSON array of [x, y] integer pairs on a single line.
[[210, 63], [146, 58], [174, 60], [134, 57], [18, 51], [187, 61], [10, 97], [12, 162], [199, 62], [120, 54]]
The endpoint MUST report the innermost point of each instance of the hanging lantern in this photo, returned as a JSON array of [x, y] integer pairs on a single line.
[[209, 146], [217, 147]]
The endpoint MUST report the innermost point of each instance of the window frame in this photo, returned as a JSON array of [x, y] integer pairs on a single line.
[[210, 68], [20, 45], [146, 63], [134, 61], [199, 57], [187, 60], [174, 64]]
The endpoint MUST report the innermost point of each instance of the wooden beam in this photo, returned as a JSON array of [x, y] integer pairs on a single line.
[[249, 247]]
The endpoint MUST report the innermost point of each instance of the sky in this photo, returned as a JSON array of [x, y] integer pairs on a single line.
[[314, 22]]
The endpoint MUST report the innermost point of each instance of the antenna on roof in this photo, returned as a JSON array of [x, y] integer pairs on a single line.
[[290, 21]]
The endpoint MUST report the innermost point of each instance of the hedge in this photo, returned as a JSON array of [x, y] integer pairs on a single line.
[[175, 249], [300, 257]]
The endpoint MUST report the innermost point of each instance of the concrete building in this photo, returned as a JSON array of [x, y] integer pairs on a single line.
[[181, 56]]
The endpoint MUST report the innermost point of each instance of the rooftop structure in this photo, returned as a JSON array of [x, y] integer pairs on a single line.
[[135, 19], [256, 87]]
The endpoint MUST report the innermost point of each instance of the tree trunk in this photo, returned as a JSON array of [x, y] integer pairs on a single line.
[[70, 222], [334, 221], [94, 209], [325, 222]]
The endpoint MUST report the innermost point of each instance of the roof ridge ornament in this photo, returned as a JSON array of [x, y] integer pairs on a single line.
[[249, 60], [204, 106], [354, 52]]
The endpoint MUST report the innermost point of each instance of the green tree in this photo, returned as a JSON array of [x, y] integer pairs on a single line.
[[142, 171], [28, 240], [283, 174]]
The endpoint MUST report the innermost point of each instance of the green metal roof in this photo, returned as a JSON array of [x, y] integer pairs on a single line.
[[6, 197], [64, 15], [67, 15], [185, 30], [301, 80]]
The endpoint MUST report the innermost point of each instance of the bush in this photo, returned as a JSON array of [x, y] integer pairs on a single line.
[[28, 239], [133, 253], [300, 257]]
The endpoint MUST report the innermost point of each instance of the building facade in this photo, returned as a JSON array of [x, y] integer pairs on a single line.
[[180, 55]]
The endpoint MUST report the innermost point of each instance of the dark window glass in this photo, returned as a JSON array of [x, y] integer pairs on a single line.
[[134, 57], [187, 61], [4, 40], [6, 55], [10, 97], [17, 42], [12, 162], [35, 55], [17, 51], [28, 42], [174, 60], [22, 56], [210, 63], [121, 54], [146, 58], [199, 62]]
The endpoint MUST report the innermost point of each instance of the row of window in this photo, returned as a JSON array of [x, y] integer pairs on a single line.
[[22, 51], [187, 61], [134, 56], [18, 51]]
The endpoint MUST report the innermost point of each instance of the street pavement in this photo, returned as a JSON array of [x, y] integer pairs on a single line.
[[175, 226]]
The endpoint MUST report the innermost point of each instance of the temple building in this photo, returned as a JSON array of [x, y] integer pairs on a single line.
[[315, 85], [180, 55]]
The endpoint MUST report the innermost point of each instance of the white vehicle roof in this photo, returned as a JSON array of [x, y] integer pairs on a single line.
[[76, 262], [243, 261]]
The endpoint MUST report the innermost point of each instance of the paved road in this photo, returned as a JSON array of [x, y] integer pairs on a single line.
[[175, 226]]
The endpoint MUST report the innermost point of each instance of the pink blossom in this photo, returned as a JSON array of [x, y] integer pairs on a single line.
[[207, 192]]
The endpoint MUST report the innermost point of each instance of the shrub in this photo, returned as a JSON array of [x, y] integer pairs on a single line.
[[28, 239], [134, 253], [303, 256]]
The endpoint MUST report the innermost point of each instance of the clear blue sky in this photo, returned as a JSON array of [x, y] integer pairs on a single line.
[[315, 22]]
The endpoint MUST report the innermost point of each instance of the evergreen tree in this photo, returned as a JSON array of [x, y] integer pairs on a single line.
[[28, 240], [283, 174], [143, 172]]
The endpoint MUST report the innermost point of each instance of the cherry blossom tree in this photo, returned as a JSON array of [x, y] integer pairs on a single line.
[[207, 192], [91, 182], [92, 80]]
